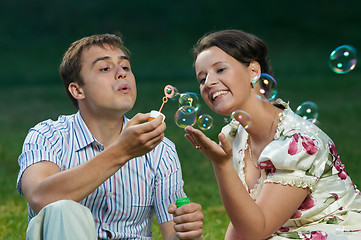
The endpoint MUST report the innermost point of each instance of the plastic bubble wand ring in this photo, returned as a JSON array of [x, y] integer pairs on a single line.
[[169, 92]]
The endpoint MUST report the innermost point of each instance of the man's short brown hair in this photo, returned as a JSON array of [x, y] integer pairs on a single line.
[[71, 64]]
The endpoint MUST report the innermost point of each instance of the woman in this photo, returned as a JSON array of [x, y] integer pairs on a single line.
[[279, 177]]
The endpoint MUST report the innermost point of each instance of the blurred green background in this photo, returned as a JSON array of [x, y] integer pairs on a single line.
[[300, 36]]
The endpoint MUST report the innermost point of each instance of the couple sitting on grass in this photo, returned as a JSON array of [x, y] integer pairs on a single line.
[[99, 175]]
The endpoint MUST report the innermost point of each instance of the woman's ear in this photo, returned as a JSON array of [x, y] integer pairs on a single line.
[[254, 72], [76, 91]]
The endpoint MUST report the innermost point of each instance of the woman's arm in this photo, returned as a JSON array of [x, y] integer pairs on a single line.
[[250, 219]]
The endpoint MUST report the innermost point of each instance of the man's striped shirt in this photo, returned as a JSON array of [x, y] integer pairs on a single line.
[[125, 204]]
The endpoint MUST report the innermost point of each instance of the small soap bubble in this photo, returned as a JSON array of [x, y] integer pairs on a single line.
[[242, 118], [266, 87], [189, 99], [307, 127], [343, 59], [308, 110], [185, 116], [205, 121], [170, 91]]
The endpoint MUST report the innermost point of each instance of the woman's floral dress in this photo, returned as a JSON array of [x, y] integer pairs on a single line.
[[302, 155]]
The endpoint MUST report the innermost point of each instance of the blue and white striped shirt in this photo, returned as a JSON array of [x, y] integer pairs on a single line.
[[125, 204]]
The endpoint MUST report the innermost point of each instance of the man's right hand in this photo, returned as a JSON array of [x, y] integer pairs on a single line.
[[139, 136]]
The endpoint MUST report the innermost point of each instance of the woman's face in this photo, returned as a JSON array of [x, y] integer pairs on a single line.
[[224, 82]]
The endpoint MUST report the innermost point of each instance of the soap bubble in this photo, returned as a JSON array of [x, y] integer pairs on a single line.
[[189, 99], [266, 87], [185, 116], [170, 91], [308, 110], [242, 118], [205, 121], [343, 59], [307, 127]]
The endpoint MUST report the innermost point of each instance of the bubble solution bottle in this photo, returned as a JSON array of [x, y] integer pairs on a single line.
[[180, 202]]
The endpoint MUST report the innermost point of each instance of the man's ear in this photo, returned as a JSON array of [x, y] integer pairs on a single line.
[[254, 71], [76, 91]]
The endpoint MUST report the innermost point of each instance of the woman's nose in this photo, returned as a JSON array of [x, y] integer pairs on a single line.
[[210, 80]]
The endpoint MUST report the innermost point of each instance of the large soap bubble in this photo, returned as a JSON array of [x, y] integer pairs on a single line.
[[343, 59], [205, 121], [185, 116], [242, 118], [308, 110], [266, 87]]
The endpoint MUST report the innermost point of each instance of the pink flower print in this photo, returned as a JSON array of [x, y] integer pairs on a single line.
[[318, 235], [333, 150], [342, 175], [308, 144], [293, 147], [297, 214], [307, 203], [283, 229], [267, 166], [334, 195], [337, 161]]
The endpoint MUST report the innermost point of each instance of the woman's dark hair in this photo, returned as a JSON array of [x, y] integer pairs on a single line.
[[244, 47]]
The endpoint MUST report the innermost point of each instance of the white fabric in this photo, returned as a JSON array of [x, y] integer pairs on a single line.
[[62, 220]]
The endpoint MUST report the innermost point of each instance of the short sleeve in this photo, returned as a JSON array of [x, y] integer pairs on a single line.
[[290, 160], [36, 148]]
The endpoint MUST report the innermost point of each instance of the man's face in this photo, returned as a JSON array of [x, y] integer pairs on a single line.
[[109, 84]]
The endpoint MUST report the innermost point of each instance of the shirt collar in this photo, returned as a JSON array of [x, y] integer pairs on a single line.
[[83, 136]]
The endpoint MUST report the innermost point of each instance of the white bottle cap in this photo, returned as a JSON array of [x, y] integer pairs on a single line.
[[154, 114]]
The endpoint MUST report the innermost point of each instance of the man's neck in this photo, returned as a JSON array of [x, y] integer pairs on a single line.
[[104, 128]]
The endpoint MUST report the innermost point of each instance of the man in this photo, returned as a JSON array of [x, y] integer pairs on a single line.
[[123, 171]]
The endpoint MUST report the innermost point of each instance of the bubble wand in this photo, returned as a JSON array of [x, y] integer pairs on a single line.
[[169, 92]]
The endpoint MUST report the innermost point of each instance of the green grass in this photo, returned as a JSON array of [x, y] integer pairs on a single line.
[[338, 98]]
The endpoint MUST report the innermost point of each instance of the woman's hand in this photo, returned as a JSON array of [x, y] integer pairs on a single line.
[[217, 153]]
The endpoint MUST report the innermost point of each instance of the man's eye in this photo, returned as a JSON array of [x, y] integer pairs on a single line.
[[106, 69], [126, 68], [202, 80]]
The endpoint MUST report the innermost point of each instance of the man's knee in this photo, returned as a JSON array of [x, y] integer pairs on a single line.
[[64, 219], [61, 205], [67, 208]]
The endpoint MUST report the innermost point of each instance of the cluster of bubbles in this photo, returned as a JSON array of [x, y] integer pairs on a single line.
[[342, 60], [266, 90], [188, 111]]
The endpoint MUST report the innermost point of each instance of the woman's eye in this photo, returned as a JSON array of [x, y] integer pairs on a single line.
[[202, 80], [220, 70]]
